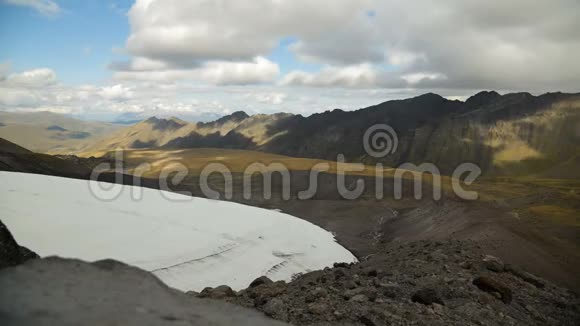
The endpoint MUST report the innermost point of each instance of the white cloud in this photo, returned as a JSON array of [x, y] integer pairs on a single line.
[[268, 98], [45, 7], [239, 73], [40, 77], [200, 30], [418, 77], [25, 89], [203, 102], [140, 64], [4, 70], [490, 44], [351, 76], [260, 70], [10, 97], [404, 58], [116, 93]]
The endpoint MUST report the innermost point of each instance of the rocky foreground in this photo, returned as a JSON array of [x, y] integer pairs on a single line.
[[12, 254], [418, 283], [56, 291]]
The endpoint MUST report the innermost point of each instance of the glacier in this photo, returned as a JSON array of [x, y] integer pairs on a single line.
[[188, 242]]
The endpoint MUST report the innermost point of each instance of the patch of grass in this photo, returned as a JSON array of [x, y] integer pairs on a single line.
[[490, 189], [237, 161], [556, 214]]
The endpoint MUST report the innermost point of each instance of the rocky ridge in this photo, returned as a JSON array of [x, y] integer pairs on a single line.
[[417, 283], [57, 291], [12, 254], [510, 134], [414, 283]]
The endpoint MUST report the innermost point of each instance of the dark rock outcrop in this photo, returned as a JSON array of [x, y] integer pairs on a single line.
[[260, 281], [57, 291], [491, 285], [220, 292], [11, 254], [165, 124], [416, 283], [427, 296]]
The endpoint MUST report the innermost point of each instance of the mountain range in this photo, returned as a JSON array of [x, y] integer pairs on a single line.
[[511, 134], [515, 134], [526, 217], [49, 132]]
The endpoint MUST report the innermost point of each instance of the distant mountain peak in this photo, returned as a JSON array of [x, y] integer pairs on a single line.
[[427, 98], [237, 116], [155, 119], [430, 94], [485, 94], [165, 124], [481, 99]]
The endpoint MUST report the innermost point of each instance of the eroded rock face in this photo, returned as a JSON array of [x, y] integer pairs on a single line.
[[417, 283], [427, 296], [55, 291], [11, 254], [491, 285]]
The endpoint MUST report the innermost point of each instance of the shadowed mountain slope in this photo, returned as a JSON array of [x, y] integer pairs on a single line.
[[511, 134], [18, 159], [515, 134], [49, 132]]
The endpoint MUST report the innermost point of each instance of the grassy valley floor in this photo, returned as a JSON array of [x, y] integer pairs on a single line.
[[530, 221]]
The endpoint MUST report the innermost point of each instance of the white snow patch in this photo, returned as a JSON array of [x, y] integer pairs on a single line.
[[188, 244]]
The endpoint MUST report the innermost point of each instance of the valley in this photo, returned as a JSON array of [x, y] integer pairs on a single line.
[[521, 220], [289, 162], [514, 134], [528, 218], [53, 133]]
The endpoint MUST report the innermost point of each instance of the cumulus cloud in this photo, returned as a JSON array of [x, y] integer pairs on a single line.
[[116, 92], [225, 43], [40, 77], [182, 31], [45, 7], [352, 76], [139, 64], [4, 70], [199, 102], [10, 97], [25, 89], [20, 91], [268, 98], [239, 73], [192, 55], [416, 78], [518, 45], [260, 70]]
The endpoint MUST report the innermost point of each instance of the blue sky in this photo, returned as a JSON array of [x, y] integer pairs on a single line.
[[287, 59], [81, 41], [78, 42], [195, 58]]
